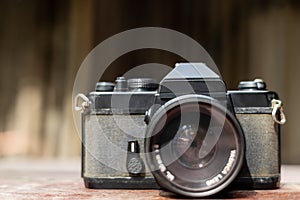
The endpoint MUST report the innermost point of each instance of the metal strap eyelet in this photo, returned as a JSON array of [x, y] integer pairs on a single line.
[[85, 102], [277, 105]]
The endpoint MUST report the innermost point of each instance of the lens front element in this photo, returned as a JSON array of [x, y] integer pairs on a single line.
[[186, 146]]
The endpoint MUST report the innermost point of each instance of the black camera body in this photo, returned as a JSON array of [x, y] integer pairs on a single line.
[[198, 138]]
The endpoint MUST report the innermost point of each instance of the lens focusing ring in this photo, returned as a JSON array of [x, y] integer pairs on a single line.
[[167, 174]]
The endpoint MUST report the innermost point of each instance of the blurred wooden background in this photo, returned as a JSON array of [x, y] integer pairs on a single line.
[[42, 44]]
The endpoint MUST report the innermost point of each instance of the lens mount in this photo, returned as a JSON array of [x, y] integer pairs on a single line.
[[194, 146]]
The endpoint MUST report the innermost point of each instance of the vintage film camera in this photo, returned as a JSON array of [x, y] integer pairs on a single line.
[[188, 134]]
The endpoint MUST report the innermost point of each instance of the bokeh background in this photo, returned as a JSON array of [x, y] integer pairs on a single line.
[[43, 43]]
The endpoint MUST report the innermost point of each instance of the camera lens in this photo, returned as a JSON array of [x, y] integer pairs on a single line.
[[194, 146]]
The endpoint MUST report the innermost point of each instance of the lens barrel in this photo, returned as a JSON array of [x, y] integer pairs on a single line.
[[194, 146]]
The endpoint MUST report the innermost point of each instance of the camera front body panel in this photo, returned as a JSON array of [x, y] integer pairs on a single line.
[[261, 169], [108, 125]]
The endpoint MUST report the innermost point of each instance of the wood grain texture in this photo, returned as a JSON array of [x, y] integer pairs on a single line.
[[60, 179]]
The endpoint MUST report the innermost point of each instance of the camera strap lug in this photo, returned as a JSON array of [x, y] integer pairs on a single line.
[[277, 105], [85, 102]]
